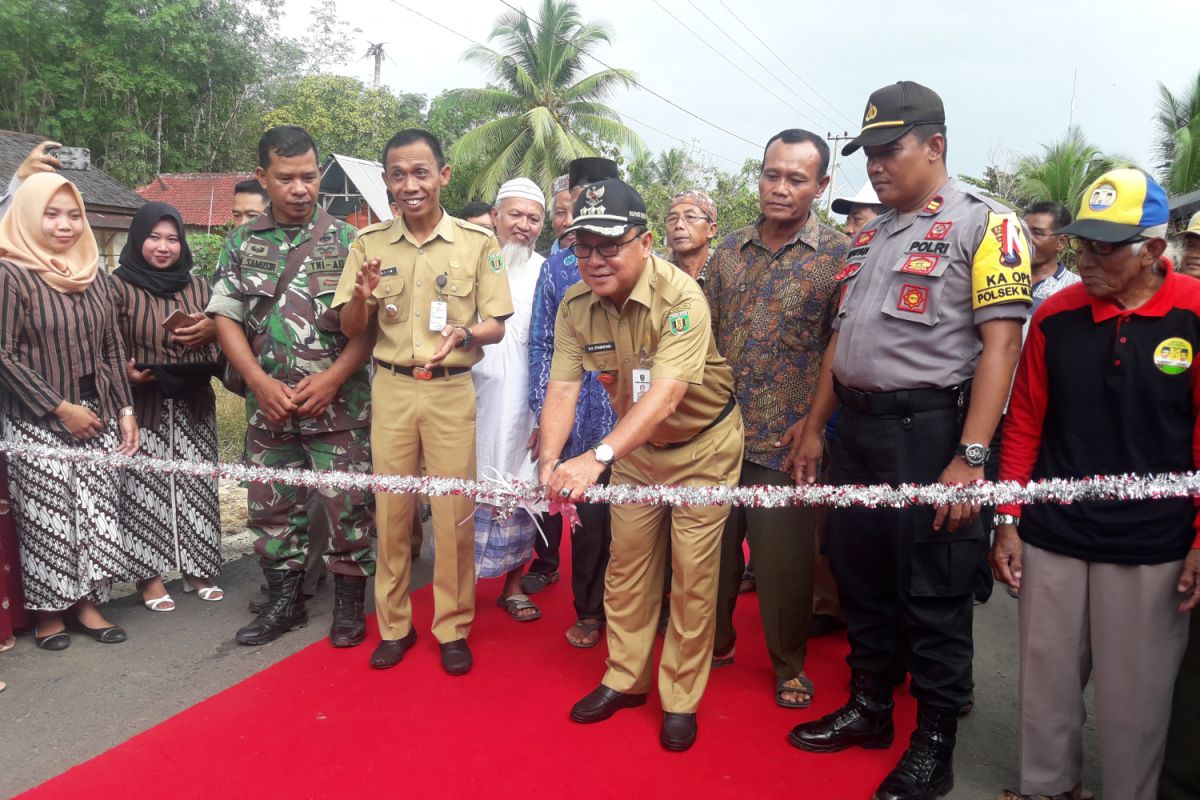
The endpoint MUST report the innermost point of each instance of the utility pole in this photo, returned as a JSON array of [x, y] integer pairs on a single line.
[[837, 140], [376, 50]]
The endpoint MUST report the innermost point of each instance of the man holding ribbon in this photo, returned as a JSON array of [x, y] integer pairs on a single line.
[[644, 326]]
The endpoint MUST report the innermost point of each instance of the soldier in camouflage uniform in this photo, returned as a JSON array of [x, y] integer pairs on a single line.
[[307, 387]]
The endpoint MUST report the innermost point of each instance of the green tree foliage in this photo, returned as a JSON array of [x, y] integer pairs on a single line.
[[149, 85], [448, 118], [544, 110], [206, 249], [343, 115], [1064, 169], [1177, 138]]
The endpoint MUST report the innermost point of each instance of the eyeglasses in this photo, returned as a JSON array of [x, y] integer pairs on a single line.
[[690, 219], [606, 250], [1101, 248]]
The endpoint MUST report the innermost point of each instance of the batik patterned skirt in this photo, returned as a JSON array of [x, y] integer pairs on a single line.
[[173, 522], [70, 537]]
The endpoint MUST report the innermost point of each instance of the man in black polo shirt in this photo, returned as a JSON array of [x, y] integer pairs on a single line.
[[1106, 385]]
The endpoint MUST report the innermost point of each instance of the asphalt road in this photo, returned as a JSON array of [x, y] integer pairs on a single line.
[[62, 709]]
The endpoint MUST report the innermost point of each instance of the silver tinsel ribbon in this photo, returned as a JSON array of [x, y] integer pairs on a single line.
[[513, 494]]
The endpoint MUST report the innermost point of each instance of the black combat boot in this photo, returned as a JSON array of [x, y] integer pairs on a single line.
[[926, 770], [866, 720], [349, 624], [282, 611]]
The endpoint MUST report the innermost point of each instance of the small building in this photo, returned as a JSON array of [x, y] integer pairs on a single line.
[[110, 206], [353, 189], [204, 199]]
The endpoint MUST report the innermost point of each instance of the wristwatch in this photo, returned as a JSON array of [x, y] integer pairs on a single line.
[[604, 454], [1005, 519], [468, 337], [128, 411], [976, 455]]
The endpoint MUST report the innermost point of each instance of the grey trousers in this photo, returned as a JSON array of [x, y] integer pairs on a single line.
[[1119, 625]]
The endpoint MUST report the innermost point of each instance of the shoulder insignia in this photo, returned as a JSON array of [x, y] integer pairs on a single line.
[[991, 203], [372, 228], [471, 226], [577, 290]]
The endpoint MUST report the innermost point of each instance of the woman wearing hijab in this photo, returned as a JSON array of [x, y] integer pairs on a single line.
[[171, 521], [62, 384]]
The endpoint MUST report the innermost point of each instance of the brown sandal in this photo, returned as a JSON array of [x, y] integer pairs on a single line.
[[585, 629], [514, 604]]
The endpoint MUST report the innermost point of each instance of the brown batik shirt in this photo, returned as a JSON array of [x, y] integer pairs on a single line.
[[772, 314]]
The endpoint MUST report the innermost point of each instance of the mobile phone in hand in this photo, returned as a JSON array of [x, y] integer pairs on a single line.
[[177, 320], [72, 157]]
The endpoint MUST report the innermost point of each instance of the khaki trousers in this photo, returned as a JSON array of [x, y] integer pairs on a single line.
[[434, 420], [634, 579], [1118, 624]]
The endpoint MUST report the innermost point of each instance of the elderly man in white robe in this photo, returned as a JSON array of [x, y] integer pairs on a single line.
[[505, 439]]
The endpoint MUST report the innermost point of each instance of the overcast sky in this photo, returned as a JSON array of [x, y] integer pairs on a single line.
[[1004, 71]]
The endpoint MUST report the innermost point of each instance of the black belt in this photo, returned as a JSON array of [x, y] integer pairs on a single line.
[[725, 412], [902, 401], [420, 373]]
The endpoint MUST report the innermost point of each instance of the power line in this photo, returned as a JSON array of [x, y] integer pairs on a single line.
[[764, 67], [634, 81], [688, 142], [785, 64], [730, 61]]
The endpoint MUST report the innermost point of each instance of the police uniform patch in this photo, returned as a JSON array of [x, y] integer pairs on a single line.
[[496, 262], [939, 230], [679, 322], [848, 271], [919, 265], [1173, 356], [998, 274], [934, 205], [865, 237], [913, 299]]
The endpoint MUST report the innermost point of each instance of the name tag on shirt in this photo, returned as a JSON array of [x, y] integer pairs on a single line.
[[437, 315], [641, 383]]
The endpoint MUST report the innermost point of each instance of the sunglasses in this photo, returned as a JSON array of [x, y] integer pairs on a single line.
[[1101, 248]]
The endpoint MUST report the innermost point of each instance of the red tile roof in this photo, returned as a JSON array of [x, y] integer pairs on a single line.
[[203, 198]]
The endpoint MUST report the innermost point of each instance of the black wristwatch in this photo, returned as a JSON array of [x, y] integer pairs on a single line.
[[976, 455], [468, 337]]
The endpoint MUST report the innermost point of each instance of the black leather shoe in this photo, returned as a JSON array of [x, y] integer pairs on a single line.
[[602, 703], [114, 634], [53, 641], [390, 652], [926, 770], [349, 626], [678, 731], [283, 610], [456, 657], [866, 720]]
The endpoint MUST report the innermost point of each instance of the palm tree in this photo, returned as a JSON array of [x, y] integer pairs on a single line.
[[1064, 169], [1177, 135], [546, 110], [672, 169]]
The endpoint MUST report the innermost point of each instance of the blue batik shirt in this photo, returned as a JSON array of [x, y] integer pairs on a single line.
[[594, 415]]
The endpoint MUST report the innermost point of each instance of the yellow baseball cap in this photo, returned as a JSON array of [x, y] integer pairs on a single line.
[[1118, 206], [1193, 227]]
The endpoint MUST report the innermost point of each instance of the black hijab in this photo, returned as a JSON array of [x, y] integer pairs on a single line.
[[135, 270]]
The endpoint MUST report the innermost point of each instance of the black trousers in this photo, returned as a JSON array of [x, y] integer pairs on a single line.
[[589, 555], [907, 589], [545, 553]]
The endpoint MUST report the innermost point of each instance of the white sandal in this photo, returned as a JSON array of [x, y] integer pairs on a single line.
[[205, 593], [157, 603]]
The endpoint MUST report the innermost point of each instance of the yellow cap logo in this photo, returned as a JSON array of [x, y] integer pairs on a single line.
[[872, 112]]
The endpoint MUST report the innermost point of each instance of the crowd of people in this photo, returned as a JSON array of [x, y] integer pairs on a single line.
[[788, 352]]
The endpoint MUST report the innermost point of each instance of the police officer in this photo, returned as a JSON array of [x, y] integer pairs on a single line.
[[307, 392], [644, 326], [926, 338], [431, 291]]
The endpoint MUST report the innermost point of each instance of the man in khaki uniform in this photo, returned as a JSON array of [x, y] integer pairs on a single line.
[[643, 325], [436, 289]]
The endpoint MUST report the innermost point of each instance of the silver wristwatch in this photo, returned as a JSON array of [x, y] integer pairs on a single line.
[[976, 455], [604, 454], [1005, 519]]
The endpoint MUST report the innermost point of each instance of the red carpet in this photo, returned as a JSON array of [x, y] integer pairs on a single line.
[[320, 724]]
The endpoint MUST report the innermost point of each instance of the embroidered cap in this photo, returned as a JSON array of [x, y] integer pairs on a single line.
[[608, 208], [1119, 205]]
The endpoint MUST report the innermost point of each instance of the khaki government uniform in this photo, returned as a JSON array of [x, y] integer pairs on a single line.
[[430, 421], [664, 328]]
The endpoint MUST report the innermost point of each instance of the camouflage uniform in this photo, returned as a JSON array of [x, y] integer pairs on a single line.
[[303, 338]]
